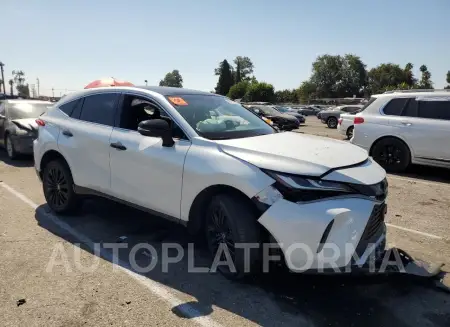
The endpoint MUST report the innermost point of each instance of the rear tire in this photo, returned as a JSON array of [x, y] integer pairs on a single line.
[[58, 185], [230, 220], [332, 122], [9, 146], [350, 132], [391, 154]]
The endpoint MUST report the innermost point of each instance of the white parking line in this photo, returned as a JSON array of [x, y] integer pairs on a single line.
[[156, 288], [419, 181], [415, 231]]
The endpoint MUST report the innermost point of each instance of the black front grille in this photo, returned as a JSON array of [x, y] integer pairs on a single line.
[[374, 228], [376, 221]]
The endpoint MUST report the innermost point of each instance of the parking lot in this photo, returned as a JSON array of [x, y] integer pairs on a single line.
[[113, 295]]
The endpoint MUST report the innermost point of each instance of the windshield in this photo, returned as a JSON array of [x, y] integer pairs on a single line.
[[282, 109], [219, 118], [20, 110]]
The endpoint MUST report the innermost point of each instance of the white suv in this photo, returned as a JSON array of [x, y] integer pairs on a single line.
[[176, 153], [403, 127]]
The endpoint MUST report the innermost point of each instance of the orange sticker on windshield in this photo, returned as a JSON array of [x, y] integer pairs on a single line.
[[177, 101]]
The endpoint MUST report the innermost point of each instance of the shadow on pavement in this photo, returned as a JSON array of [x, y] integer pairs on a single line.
[[21, 161], [278, 298], [427, 173]]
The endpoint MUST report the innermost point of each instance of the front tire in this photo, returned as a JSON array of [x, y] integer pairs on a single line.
[[392, 154], [332, 122], [9, 146], [58, 185], [231, 220]]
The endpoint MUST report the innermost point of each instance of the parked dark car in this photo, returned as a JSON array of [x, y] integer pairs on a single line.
[[292, 112], [284, 122], [309, 111], [18, 127], [331, 117]]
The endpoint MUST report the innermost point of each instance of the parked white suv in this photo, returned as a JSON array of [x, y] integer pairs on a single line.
[[403, 127], [170, 151]]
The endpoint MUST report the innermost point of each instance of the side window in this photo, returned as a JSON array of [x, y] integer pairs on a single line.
[[411, 108], [69, 108], [346, 109], [100, 108], [395, 107], [353, 109], [434, 109], [136, 109]]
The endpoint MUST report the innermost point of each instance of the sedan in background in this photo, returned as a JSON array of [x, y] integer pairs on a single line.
[[284, 122], [309, 111], [18, 127], [292, 112], [331, 117]]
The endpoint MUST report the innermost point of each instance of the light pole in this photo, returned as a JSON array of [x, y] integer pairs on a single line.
[[37, 83], [3, 76], [146, 82]]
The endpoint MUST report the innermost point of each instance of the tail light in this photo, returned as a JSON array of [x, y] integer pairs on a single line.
[[40, 122], [340, 121], [358, 120]]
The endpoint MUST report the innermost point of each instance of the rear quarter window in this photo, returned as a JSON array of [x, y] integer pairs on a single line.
[[395, 106]]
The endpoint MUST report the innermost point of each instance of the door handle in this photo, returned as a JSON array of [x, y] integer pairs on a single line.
[[406, 123], [118, 146], [67, 133]]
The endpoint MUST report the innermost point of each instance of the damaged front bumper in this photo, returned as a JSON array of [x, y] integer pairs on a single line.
[[330, 234]]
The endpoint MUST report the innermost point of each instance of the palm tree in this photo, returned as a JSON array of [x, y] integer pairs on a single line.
[[11, 82], [19, 77]]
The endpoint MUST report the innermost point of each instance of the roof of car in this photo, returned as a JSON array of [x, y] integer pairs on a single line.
[[166, 90], [26, 100], [413, 94]]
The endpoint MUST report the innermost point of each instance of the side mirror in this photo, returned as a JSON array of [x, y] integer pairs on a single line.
[[157, 128]]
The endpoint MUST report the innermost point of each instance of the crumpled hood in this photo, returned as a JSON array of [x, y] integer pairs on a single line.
[[294, 153], [26, 123]]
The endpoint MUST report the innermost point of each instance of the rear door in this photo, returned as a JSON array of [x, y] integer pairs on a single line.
[[427, 120], [84, 139]]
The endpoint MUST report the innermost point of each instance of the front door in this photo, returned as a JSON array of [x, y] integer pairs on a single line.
[[143, 171]]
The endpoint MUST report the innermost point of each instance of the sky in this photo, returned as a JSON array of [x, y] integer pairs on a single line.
[[67, 44]]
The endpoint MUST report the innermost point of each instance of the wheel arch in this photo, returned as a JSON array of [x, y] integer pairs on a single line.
[[200, 204], [49, 156], [390, 137]]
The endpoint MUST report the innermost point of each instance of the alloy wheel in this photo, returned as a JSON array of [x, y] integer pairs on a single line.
[[219, 233], [57, 187], [390, 155]]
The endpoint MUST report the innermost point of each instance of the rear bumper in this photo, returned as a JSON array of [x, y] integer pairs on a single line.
[[327, 234], [22, 144]]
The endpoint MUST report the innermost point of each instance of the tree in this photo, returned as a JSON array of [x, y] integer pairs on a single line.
[[173, 79], [238, 77], [425, 80], [384, 76], [244, 66], [225, 81], [23, 90], [339, 76], [409, 76], [286, 96], [238, 91], [448, 80], [306, 92], [260, 92], [243, 70]]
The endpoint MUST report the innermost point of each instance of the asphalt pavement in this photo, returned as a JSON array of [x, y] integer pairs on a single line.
[[52, 264]]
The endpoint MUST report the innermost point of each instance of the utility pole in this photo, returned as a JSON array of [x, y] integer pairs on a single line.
[[37, 84], [3, 76], [53, 92]]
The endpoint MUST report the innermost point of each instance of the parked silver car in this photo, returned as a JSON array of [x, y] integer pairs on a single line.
[[330, 117]]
